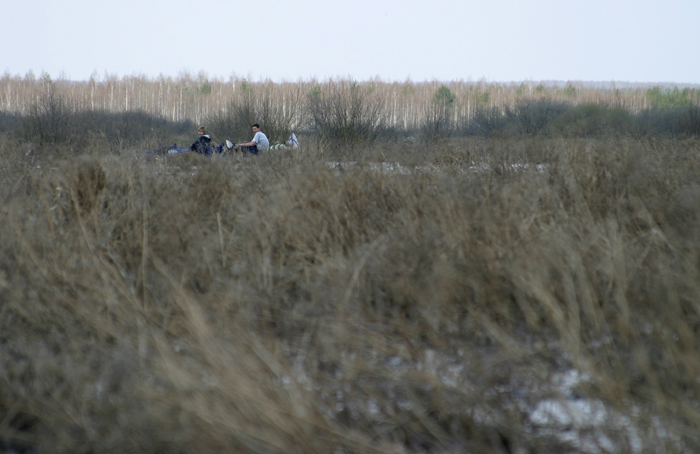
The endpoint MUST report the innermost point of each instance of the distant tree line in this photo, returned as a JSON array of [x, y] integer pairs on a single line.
[[339, 112]]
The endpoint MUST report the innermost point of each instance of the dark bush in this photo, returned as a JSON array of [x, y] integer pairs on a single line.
[[9, 122], [688, 122], [679, 121], [487, 122], [592, 120], [50, 120], [531, 116], [345, 114]]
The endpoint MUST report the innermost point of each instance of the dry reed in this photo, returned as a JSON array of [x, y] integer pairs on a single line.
[[275, 304]]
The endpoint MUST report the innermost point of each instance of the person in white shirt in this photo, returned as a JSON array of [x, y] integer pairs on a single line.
[[259, 142]]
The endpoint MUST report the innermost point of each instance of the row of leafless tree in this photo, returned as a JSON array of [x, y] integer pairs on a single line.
[[404, 105]]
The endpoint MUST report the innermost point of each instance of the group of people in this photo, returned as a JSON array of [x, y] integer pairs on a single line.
[[203, 143]]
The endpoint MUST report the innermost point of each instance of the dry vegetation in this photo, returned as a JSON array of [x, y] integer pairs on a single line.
[[404, 104], [521, 294]]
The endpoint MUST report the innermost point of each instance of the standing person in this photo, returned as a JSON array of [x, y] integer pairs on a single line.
[[259, 142]]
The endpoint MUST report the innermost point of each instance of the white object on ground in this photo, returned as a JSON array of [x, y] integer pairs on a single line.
[[293, 142]]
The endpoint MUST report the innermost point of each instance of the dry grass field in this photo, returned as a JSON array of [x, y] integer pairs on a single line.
[[512, 295]]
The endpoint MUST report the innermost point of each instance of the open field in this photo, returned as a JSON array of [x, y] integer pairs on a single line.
[[520, 294]]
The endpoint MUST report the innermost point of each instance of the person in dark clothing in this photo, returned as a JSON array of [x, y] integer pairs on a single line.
[[203, 143]]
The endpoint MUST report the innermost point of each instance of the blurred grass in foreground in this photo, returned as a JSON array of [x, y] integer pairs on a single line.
[[274, 305]]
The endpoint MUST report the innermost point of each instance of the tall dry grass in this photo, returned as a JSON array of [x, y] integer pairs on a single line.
[[276, 305]]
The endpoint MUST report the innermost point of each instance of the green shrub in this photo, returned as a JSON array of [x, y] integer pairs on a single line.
[[667, 99]]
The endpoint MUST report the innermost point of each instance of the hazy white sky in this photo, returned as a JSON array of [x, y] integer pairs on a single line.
[[499, 40]]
